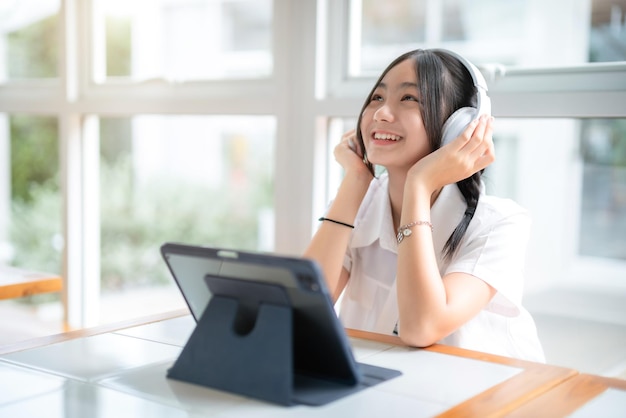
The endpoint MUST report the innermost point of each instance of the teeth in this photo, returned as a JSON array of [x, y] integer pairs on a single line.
[[387, 137]]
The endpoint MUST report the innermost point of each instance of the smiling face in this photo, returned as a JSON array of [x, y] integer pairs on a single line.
[[391, 124]]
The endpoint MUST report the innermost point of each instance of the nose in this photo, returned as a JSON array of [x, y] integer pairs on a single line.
[[384, 113]]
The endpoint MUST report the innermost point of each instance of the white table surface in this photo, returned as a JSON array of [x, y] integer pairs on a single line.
[[609, 404], [123, 373]]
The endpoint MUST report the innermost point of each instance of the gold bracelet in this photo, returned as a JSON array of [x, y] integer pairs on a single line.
[[405, 231]]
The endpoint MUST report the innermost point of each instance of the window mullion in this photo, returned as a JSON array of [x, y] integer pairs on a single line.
[[294, 49]]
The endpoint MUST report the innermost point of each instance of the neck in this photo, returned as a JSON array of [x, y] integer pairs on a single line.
[[396, 195]]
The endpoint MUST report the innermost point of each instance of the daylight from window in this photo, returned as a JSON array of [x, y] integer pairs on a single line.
[[87, 139]]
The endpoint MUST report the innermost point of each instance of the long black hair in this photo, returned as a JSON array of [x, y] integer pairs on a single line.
[[445, 85]]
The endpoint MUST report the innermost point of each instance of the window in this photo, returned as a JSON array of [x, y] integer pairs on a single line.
[[160, 133], [234, 107], [603, 207], [517, 33], [180, 41], [203, 180], [30, 207], [29, 46], [576, 201]]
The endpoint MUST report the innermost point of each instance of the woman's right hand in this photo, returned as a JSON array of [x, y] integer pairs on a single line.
[[348, 152]]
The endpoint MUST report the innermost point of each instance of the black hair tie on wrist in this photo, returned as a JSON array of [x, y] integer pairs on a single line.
[[336, 222]]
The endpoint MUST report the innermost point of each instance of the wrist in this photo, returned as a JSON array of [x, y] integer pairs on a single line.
[[417, 201], [427, 181], [349, 196], [424, 188], [359, 172], [356, 181], [419, 190]]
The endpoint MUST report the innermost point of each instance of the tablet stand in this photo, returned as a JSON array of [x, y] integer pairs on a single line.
[[255, 358], [258, 365]]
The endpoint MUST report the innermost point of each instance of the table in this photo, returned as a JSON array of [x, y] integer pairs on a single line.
[[583, 395], [501, 399], [17, 283], [119, 370]]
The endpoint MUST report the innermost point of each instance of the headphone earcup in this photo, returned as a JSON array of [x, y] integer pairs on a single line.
[[456, 123]]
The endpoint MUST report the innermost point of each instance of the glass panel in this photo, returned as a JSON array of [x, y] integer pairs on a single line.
[[607, 37], [183, 40], [514, 32], [204, 180], [388, 24], [32, 234], [30, 220], [570, 174], [603, 217], [28, 39]]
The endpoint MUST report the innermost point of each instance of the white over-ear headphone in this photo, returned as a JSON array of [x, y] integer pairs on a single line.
[[458, 121]]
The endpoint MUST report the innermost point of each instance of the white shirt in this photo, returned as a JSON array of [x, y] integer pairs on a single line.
[[492, 249]]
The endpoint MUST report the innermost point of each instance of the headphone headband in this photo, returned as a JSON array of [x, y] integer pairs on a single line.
[[459, 120], [483, 100]]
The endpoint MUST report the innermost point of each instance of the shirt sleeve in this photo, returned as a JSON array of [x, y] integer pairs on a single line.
[[347, 259], [495, 252]]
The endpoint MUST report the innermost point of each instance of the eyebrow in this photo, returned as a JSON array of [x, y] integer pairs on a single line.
[[403, 85]]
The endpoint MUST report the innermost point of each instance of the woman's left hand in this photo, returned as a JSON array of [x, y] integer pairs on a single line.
[[469, 153]]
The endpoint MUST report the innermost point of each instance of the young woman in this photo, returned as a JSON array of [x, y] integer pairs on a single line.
[[421, 251]]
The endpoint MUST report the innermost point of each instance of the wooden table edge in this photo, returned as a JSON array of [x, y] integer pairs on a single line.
[[568, 396], [499, 400]]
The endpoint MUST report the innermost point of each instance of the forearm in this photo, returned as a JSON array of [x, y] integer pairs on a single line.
[[330, 241], [422, 299], [430, 306]]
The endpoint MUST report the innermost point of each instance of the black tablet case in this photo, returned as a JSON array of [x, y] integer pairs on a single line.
[[267, 341]]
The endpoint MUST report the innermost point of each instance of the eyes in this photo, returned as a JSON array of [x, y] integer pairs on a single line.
[[376, 97]]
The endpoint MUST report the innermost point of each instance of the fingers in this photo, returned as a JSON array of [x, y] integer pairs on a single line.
[[349, 139], [478, 135], [482, 140], [476, 144], [347, 151], [348, 135], [475, 132]]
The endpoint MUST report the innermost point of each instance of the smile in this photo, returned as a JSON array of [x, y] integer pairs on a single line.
[[387, 137]]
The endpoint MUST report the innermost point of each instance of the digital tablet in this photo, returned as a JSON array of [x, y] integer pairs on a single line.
[[320, 346]]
